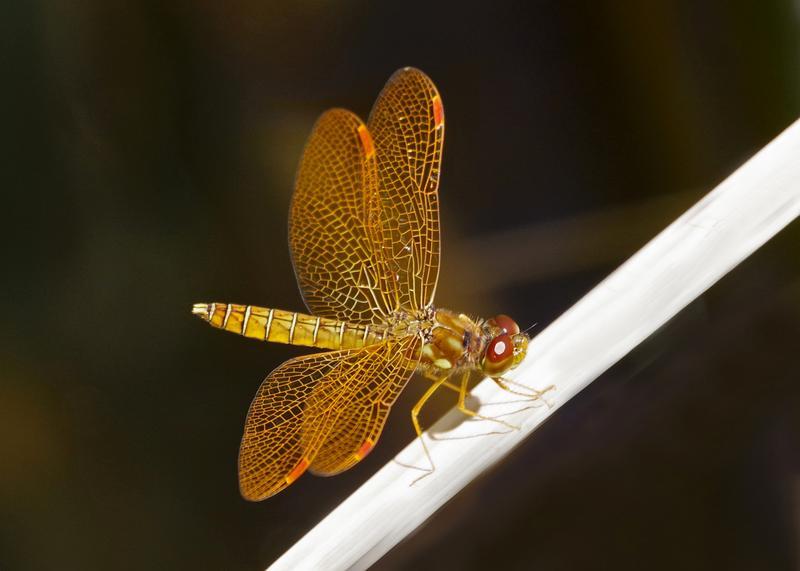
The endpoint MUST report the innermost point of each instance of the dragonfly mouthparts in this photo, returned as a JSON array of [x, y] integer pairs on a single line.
[[201, 310]]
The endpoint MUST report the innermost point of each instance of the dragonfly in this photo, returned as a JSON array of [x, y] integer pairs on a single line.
[[365, 245]]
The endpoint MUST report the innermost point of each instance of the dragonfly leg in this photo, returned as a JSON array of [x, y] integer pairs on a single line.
[[533, 394], [462, 403], [436, 375], [461, 389], [415, 420]]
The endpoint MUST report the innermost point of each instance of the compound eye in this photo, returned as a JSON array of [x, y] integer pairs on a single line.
[[500, 349], [506, 323]]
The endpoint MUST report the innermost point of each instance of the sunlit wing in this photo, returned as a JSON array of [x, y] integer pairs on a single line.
[[299, 405], [407, 128], [365, 411], [341, 273]]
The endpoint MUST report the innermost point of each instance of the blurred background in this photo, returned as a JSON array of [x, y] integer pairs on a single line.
[[149, 158]]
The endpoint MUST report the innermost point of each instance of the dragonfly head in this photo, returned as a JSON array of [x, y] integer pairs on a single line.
[[506, 347]]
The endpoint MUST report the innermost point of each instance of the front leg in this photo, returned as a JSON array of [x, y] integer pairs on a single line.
[[533, 394]]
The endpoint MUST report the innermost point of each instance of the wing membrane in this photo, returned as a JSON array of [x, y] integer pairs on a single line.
[[364, 221], [341, 273], [365, 411], [300, 404], [407, 126]]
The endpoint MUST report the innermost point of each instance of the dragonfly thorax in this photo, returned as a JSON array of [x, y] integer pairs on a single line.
[[455, 340]]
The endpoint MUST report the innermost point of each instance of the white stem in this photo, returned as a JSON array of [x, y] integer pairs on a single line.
[[683, 261]]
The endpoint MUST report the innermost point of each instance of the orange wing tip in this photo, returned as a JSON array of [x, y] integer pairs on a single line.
[[438, 112], [298, 471], [365, 448], [201, 311], [366, 141]]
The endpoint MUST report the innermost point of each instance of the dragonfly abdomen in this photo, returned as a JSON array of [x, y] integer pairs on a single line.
[[293, 328]]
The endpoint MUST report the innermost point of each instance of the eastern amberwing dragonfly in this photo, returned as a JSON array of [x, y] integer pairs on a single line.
[[364, 240]]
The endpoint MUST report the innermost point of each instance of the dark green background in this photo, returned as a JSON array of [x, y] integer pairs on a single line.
[[149, 152]]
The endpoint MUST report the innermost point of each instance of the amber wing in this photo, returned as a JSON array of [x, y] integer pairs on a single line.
[[367, 406], [407, 126], [364, 221], [342, 275], [320, 411]]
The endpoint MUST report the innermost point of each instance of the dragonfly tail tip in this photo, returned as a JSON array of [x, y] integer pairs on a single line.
[[200, 310]]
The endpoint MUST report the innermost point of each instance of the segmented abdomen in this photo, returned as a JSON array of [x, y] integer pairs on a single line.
[[267, 324]]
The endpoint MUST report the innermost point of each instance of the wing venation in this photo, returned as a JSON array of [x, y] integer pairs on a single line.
[[311, 410], [407, 127]]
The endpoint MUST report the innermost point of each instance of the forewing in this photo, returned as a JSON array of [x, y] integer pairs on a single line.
[[407, 127], [366, 407], [339, 270], [299, 405]]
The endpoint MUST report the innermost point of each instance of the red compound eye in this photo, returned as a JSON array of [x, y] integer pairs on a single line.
[[500, 348], [505, 322]]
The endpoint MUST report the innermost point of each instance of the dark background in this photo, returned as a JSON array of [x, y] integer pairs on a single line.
[[149, 152]]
